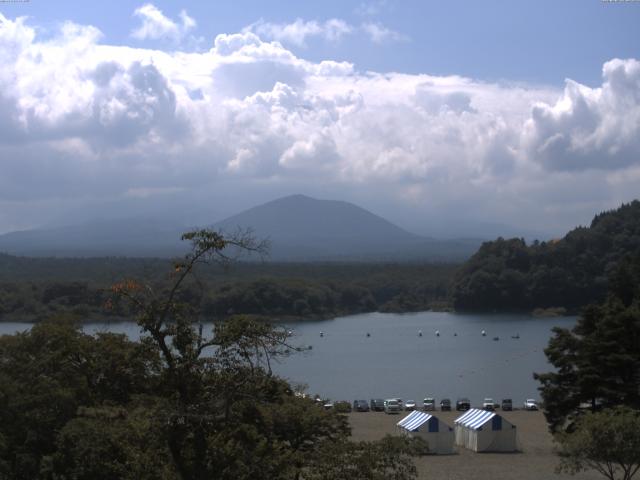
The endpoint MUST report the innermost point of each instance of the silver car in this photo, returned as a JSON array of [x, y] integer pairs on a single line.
[[392, 406]]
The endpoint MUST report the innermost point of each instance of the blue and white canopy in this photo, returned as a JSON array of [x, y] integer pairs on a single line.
[[474, 418], [414, 420]]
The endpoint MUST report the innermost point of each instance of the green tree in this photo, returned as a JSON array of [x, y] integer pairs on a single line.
[[179, 404], [48, 373], [598, 361], [387, 459], [107, 443], [607, 441]]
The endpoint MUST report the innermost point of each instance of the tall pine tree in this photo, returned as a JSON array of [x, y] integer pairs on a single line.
[[598, 361]]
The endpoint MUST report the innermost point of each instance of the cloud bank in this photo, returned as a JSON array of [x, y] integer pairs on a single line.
[[80, 118]]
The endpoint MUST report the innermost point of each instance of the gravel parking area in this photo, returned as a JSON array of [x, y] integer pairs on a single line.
[[535, 461]]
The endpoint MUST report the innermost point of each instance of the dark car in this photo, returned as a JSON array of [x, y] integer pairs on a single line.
[[360, 406], [445, 405], [507, 404], [463, 404], [377, 405]]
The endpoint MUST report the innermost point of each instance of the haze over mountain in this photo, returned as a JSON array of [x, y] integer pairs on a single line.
[[303, 228], [133, 237], [298, 227]]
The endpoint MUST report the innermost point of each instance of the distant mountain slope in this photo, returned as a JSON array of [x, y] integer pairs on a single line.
[[570, 272], [301, 217], [127, 238], [299, 228], [304, 228]]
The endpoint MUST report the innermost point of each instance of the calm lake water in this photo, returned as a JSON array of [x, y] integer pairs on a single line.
[[394, 361]]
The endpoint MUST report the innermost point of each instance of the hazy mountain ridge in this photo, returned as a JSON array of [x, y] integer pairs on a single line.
[[125, 237], [298, 227]]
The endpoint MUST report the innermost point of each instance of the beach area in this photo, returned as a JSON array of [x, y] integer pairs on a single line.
[[535, 459]]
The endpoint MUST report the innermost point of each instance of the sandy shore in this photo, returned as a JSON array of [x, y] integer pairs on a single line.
[[535, 461]]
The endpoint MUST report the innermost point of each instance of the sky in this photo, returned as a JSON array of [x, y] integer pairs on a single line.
[[448, 118]]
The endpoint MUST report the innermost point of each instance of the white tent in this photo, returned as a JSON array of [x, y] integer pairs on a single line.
[[483, 431], [437, 434]]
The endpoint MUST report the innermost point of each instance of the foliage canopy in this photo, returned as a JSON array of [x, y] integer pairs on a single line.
[[598, 361], [179, 404], [570, 273], [607, 441]]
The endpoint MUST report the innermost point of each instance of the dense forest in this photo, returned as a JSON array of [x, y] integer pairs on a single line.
[[568, 273], [76, 406], [33, 289]]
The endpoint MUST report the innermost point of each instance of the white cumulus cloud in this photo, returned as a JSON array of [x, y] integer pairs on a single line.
[[155, 25], [82, 119], [590, 127]]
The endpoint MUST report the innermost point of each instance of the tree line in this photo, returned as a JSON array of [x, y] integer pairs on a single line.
[[570, 272], [278, 291]]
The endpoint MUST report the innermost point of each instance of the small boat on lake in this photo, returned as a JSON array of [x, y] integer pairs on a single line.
[[484, 334], [495, 339], [516, 336], [437, 333]]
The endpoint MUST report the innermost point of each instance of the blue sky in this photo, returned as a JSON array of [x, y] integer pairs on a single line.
[[541, 41], [445, 117]]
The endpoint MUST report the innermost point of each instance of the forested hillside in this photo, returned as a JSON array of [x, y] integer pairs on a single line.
[[35, 288], [569, 273]]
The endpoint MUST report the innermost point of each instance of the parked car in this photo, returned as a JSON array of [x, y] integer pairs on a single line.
[[507, 404], [392, 406], [360, 406], [488, 404], [463, 404], [377, 405], [429, 403], [445, 405], [342, 406], [410, 405], [530, 404], [328, 405]]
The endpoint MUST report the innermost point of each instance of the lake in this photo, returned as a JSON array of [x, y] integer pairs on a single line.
[[394, 361]]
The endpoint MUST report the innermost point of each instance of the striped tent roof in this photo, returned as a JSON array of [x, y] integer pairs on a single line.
[[474, 418], [414, 420]]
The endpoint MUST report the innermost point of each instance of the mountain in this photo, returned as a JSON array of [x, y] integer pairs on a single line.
[[127, 237], [298, 227], [569, 272], [304, 228]]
